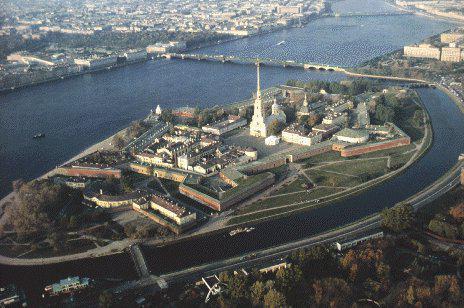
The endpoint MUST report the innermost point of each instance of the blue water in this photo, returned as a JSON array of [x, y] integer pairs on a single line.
[[78, 112]]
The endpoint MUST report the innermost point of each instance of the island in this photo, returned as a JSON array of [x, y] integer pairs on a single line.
[[183, 172]]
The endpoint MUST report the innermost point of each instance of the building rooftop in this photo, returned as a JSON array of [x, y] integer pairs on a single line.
[[352, 133], [169, 205]]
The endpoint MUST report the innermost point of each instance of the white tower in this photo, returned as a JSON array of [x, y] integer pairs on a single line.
[[257, 125], [158, 110]]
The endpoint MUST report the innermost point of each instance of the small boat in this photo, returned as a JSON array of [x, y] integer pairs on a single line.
[[237, 231], [249, 229], [241, 230], [280, 43], [39, 135]]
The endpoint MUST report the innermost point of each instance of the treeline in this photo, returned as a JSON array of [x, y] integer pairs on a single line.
[[346, 87], [383, 272]]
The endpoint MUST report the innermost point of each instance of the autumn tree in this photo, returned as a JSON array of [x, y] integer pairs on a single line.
[[398, 218], [257, 292], [332, 292], [274, 299], [238, 287], [36, 206]]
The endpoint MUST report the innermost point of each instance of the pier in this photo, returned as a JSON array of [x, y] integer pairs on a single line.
[[262, 61]]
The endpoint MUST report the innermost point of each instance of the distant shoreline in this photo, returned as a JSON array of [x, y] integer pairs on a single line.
[[151, 57]]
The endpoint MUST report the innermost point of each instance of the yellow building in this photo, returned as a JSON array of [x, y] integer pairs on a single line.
[[451, 54], [452, 37], [422, 51]]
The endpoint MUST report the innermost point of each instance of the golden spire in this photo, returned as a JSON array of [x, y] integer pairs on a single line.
[[258, 85]]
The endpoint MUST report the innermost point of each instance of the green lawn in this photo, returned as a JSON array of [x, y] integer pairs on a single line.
[[359, 167], [321, 158], [315, 194], [297, 185], [277, 201], [321, 178]]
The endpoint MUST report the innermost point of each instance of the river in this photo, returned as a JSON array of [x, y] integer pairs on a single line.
[[78, 112]]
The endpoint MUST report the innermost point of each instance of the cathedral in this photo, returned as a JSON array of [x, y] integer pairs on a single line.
[[260, 123]]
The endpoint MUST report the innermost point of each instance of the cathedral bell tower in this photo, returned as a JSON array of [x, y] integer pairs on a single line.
[[257, 125]]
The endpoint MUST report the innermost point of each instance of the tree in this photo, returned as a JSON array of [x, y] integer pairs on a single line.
[[118, 142], [303, 120], [315, 262], [384, 113], [313, 119], [257, 290], [274, 298], [238, 288], [167, 116], [106, 300], [111, 186], [418, 118], [332, 292], [275, 127], [73, 221], [36, 206], [291, 283], [398, 218]]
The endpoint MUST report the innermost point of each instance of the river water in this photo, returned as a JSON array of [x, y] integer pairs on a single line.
[[78, 112]]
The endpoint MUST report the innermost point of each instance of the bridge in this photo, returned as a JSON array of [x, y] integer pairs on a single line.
[[143, 272], [246, 60], [361, 14], [139, 261]]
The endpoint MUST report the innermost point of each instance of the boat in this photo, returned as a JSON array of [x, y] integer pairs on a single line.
[[280, 43], [39, 135], [241, 230], [237, 231], [68, 285]]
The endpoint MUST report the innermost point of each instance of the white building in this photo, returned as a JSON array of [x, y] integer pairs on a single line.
[[296, 134], [260, 124], [335, 118], [352, 135], [272, 140], [221, 127]]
